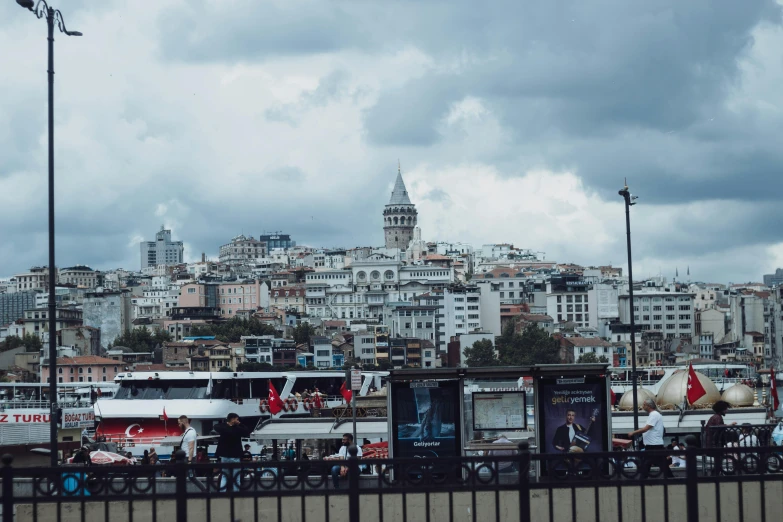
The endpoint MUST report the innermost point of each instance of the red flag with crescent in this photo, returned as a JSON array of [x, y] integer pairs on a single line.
[[695, 390], [275, 404]]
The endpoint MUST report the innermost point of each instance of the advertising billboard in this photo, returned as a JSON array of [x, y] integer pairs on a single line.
[[572, 415], [426, 419]]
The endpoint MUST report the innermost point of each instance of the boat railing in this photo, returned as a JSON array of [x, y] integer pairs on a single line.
[[27, 405], [652, 382]]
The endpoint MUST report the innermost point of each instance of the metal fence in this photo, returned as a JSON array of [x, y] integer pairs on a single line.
[[618, 486]]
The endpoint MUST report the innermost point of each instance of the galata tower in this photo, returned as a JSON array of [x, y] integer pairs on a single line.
[[399, 216]]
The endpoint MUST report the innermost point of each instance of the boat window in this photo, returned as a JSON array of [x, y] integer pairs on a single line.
[[156, 390]]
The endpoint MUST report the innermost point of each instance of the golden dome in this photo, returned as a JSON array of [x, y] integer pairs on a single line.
[[673, 391], [739, 395], [626, 401]]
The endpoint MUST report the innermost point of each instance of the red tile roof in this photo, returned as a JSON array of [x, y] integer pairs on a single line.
[[85, 360], [585, 341]]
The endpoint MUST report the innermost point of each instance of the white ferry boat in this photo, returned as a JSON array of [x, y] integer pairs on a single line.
[[144, 411], [25, 414]]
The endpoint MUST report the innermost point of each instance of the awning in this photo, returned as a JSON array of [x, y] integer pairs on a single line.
[[321, 429]]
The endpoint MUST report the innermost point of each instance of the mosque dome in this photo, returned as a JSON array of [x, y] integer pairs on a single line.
[[673, 391], [739, 395], [626, 401]]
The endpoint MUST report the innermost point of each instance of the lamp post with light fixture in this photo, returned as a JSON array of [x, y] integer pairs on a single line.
[[53, 17], [629, 201]]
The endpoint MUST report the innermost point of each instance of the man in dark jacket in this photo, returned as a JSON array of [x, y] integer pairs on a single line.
[[229, 447], [564, 435]]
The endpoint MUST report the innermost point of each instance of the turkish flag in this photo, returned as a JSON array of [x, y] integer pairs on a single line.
[[275, 404], [773, 389], [612, 396], [695, 390], [318, 403], [726, 372], [165, 417], [346, 393]]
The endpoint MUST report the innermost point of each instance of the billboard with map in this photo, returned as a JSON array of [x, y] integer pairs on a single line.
[[498, 411]]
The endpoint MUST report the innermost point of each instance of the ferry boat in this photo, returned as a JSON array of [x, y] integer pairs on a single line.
[[144, 411], [25, 411]]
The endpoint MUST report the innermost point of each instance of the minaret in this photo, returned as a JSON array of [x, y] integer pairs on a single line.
[[399, 216]]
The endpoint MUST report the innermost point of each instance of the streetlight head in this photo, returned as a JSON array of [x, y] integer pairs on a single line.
[[27, 4], [73, 33]]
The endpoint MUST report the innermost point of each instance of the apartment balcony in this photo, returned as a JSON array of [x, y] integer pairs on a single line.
[[515, 301]]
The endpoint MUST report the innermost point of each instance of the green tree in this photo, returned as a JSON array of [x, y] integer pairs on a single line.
[[591, 358], [141, 339], [31, 343], [303, 332], [482, 353], [231, 331], [225, 369], [531, 346]]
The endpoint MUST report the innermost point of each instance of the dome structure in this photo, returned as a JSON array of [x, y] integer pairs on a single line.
[[626, 401], [673, 391], [739, 395]]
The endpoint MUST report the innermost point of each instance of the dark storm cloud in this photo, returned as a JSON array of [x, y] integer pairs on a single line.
[[608, 90]]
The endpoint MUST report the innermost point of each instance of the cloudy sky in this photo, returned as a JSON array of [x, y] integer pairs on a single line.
[[515, 121]]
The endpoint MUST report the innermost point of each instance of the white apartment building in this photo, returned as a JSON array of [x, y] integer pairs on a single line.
[[362, 291], [747, 313], [605, 300], [364, 346], [157, 300], [242, 250], [322, 352], [36, 279], [80, 276], [162, 251], [568, 300], [705, 296], [661, 309], [461, 312]]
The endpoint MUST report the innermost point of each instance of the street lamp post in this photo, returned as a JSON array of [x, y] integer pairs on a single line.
[[630, 200], [53, 17]]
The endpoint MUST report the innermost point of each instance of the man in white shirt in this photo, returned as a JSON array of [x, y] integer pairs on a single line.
[[652, 435], [188, 445], [343, 454]]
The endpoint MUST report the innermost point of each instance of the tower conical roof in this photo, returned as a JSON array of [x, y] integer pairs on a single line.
[[400, 193]]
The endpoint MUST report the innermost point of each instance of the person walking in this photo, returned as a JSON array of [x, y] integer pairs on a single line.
[[715, 438], [652, 435], [229, 447], [188, 445]]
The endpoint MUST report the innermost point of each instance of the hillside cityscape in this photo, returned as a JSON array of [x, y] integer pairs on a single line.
[[267, 302]]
